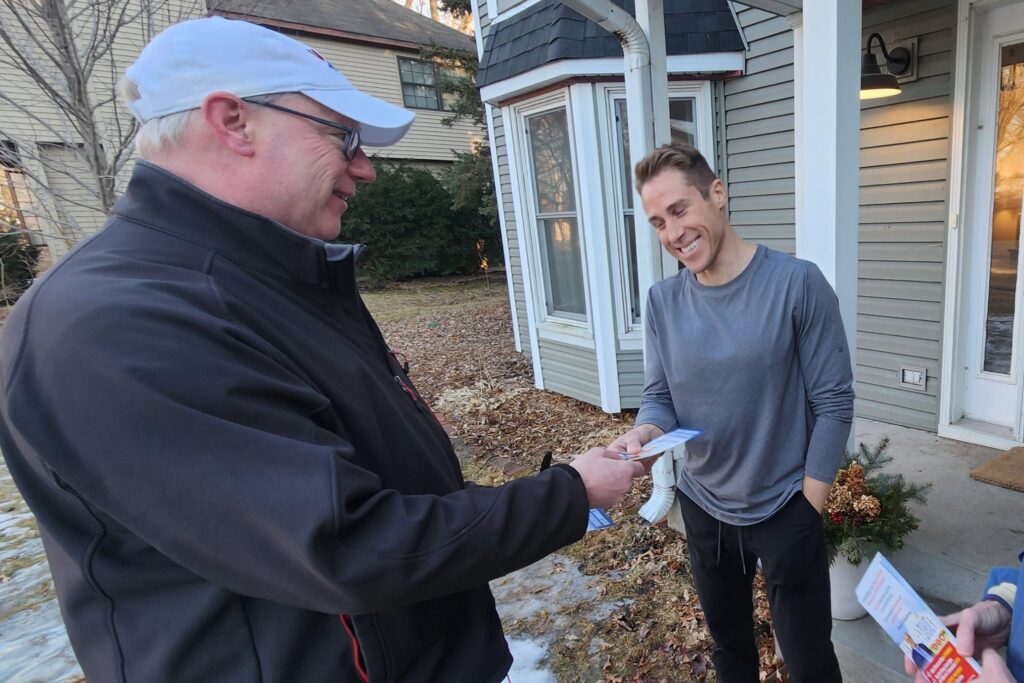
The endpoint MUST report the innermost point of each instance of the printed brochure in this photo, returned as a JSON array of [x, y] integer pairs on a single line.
[[599, 519], [663, 443], [912, 625]]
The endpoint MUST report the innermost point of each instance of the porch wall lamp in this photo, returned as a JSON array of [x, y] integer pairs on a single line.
[[875, 84]]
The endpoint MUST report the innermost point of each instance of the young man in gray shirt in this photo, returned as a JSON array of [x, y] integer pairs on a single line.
[[747, 344]]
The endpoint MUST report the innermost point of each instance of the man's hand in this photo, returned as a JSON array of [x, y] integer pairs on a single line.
[[994, 669], [606, 475], [816, 492], [633, 440], [981, 628]]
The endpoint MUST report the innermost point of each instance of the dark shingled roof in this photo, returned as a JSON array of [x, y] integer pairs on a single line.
[[550, 31], [375, 18]]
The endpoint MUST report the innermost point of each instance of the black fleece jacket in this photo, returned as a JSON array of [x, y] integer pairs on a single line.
[[223, 458]]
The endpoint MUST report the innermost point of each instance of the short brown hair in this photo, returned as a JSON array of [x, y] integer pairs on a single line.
[[682, 157]]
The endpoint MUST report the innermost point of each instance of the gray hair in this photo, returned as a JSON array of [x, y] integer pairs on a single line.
[[166, 131]]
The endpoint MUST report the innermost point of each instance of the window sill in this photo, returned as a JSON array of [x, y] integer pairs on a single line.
[[632, 341], [566, 333]]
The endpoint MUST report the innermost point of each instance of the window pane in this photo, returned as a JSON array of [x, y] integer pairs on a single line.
[[682, 125], [552, 164], [632, 277], [564, 266], [681, 121], [419, 89], [416, 72], [621, 123], [1006, 212], [419, 96]]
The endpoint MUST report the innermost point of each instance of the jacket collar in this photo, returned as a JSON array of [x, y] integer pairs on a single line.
[[159, 199]]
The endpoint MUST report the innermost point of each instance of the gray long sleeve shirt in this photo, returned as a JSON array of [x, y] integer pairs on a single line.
[[760, 364]]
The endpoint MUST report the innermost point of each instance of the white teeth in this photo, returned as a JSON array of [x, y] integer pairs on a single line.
[[690, 248]]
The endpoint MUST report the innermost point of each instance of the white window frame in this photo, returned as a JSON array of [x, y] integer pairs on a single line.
[[503, 9], [628, 332], [549, 326]]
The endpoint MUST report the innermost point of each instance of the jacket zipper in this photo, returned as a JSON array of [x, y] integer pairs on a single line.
[[357, 656], [420, 405]]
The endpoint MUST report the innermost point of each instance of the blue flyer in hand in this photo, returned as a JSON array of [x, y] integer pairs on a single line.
[[599, 519]]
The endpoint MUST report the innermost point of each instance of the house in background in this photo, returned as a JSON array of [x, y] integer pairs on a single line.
[[48, 184], [376, 43], [923, 240], [561, 146]]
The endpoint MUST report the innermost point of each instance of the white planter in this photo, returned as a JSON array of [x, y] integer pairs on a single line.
[[843, 578]]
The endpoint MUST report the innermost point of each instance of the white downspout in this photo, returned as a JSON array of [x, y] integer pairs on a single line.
[[640, 108]]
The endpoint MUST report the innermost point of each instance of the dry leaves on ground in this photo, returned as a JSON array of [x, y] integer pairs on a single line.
[[458, 339]]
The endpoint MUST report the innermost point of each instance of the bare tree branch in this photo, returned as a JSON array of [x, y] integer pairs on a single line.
[[72, 138]]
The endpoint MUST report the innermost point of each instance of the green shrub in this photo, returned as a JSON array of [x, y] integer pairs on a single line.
[[471, 184], [18, 258], [409, 223]]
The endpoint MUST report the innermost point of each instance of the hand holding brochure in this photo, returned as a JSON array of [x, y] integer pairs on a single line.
[[664, 442], [912, 625]]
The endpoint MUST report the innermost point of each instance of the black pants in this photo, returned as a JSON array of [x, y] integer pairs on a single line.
[[791, 546]]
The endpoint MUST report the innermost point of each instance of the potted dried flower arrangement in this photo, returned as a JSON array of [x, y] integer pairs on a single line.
[[866, 510]]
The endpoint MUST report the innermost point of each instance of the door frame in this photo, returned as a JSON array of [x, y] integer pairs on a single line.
[[956, 314]]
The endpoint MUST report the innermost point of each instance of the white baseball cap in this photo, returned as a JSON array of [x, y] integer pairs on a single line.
[[188, 61]]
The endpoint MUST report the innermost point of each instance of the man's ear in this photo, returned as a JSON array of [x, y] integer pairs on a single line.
[[230, 121], [717, 193]]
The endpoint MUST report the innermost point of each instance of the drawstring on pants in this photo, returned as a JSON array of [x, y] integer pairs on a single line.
[[718, 552], [739, 538]]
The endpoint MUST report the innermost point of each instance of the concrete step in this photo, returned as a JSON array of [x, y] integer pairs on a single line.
[[865, 652]]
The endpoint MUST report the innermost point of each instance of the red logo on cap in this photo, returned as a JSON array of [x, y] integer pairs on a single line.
[[320, 57]]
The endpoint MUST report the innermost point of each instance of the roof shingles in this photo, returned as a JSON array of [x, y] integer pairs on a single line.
[[384, 19], [550, 31]]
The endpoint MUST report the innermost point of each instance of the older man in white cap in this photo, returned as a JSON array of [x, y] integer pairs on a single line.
[[233, 478]]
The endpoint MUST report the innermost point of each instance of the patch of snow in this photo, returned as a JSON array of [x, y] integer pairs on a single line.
[[526, 667]]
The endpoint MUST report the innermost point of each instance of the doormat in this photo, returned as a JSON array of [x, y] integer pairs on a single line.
[[1006, 470]]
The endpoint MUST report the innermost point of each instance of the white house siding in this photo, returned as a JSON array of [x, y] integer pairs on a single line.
[[53, 139], [570, 370], [904, 157], [65, 173], [374, 70]]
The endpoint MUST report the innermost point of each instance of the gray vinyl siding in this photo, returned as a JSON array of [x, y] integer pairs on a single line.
[[484, 7], [631, 378], [570, 370], [903, 190], [904, 169], [511, 229], [511, 234], [756, 134]]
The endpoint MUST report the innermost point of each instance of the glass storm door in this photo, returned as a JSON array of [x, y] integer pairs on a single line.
[[995, 199]]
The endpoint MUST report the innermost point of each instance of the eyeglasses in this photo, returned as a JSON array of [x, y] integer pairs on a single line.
[[351, 141]]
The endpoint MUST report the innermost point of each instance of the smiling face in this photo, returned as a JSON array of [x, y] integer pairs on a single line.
[[691, 227], [306, 179]]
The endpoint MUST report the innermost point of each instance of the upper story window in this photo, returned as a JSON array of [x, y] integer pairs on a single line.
[[419, 84]]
